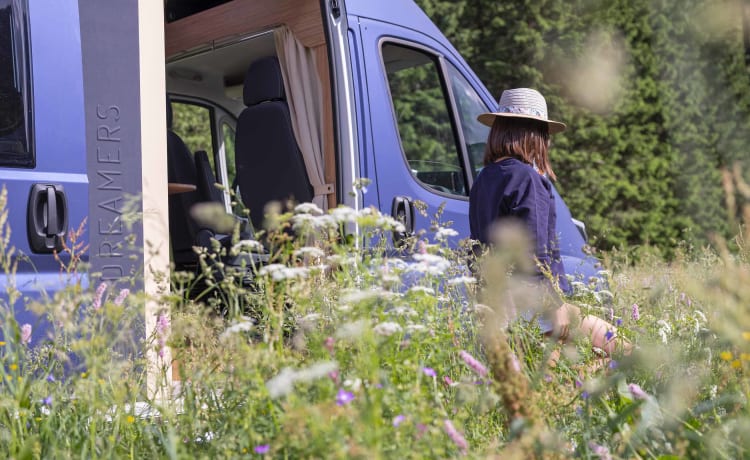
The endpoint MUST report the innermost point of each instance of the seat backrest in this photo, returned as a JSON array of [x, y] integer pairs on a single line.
[[206, 179], [181, 169], [268, 161]]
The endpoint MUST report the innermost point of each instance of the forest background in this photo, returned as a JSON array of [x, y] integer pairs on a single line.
[[656, 94]]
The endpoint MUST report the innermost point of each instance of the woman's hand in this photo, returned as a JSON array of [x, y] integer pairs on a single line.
[[562, 319]]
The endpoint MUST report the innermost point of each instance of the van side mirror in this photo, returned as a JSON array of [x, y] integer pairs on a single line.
[[581, 229]]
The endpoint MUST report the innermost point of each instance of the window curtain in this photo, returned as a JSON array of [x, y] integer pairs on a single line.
[[304, 97]]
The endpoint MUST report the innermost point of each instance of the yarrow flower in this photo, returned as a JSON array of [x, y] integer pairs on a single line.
[[387, 328], [473, 363], [26, 334], [344, 397], [455, 436], [635, 313]]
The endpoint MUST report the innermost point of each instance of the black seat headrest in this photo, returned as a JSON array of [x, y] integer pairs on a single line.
[[263, 82]]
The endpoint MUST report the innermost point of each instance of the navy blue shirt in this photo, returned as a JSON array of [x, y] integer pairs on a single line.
[[511, 188]]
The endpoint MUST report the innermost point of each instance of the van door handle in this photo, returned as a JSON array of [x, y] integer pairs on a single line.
[[402, 210], [47, 217]]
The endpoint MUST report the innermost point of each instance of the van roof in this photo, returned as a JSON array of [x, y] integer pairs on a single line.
[[400, 12]]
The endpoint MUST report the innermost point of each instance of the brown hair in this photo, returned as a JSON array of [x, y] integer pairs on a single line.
[[521, 138]]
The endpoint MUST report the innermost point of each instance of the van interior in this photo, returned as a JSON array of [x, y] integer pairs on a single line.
[[246, 80]]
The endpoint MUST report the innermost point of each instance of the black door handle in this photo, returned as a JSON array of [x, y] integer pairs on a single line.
[[402, 210], [47, 217]]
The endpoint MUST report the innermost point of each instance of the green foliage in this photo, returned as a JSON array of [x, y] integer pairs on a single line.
[[656, 95]]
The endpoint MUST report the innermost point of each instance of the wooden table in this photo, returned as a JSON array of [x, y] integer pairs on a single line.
[[175, 187]]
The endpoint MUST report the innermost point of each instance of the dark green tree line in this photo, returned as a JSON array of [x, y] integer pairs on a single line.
[[655, 92]]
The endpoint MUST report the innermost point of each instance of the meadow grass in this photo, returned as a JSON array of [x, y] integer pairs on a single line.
[[340, 350]]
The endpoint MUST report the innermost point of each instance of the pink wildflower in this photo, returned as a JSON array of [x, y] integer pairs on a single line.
[[455, 436], [473, 363], [636, 313], [448, 381], [124, 293], [637, 391], [162, 327], [99, 296], [600, 451], [329, 343], [26, 334]]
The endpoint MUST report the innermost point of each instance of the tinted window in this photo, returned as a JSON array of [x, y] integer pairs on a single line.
[[421, 107], [15, 119], [469, 106]]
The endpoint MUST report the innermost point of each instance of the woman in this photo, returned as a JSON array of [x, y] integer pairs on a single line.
[[515, 183]]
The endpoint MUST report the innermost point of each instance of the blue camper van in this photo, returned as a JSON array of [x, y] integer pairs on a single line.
[[271, 98]]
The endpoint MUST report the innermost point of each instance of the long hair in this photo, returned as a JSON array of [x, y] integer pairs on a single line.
[[522, 138]]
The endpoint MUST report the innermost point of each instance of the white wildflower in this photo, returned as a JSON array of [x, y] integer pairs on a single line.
[[664, 330], [336, 259], [241, 326], [247, 245], [343, 214], [351, 330], [354, 384], [402, 311], [300, 221], [603, 295], [357, 296], [310, 318], [462, 280], [279, 272], [430, 264], [421, 290], [308, 208], [443, 234], [316, 371], [387, 328], [282, 384], [309, 251], [411, 328]]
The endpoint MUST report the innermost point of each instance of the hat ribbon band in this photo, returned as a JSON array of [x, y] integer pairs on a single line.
[[522, 111]]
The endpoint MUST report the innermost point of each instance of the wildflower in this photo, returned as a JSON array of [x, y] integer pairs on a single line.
[[443, 234], [242, 326], [344, 397], [51, 378], [462, 280], [281, 384], [600, 451], [13, 367], [429, 372], [130, 419], [329, 343], [2, 343], [398, 419], [262, 449], [473, 363], [246, 245], [746, 335], [635, 313], [736, 364], [316, 371], [726, 355], [99, 296], [609, 336], [47, 401], [455, 436], [585, 394], [613, 364], [309, 251], [745, 356], [334, 375], [308, 208], [26, 334], [162, 326], [122, 296], [578, 383], [422, 290], [547, 378], [448, 381], [618, 322], [387, 328], [637, 391]]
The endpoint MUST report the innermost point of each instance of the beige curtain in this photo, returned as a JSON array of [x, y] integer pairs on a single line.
[[304, 96]]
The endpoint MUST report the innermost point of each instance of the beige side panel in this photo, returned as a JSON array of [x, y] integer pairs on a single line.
[[154, 176]]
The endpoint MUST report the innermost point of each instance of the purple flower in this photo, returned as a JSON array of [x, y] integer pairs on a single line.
[[600, 451], [455, 436], [429, 372], [473, 363], [609, 336], [344, 397], [585, 394], [447, 380], [398, 419], [547, 378], [618, 322], [162, 327], [47, 401], [122, 296], [636, 314], [329, 343], [262, 449], [99, 296], [26, 334], [579, 410], [579, 384], [613, 364], [637, 391], [51, 378]]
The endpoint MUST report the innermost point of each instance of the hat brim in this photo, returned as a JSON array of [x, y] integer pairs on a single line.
[[488, 119]]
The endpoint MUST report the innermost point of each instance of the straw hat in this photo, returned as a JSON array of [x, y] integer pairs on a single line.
[[522, 103]]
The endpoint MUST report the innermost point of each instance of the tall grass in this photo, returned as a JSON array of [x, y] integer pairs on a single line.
[[339, 350]]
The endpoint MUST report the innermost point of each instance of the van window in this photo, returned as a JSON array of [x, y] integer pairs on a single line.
[[15, 114], [227, 133], [423, 113], [192, 123], [469, 106]]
